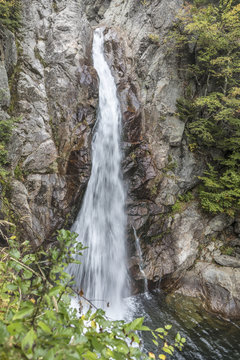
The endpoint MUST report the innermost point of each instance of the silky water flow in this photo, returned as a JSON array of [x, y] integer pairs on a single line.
[[101, 220]]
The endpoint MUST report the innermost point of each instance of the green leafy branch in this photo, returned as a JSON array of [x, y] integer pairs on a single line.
[[36, 318]]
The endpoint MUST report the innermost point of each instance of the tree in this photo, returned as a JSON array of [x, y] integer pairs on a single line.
[[10, 14], [213, 116]]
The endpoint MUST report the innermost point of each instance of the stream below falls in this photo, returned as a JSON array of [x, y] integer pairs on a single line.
[[207, 336]]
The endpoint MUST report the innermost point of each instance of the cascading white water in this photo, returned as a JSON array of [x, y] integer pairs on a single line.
[[101, 220]]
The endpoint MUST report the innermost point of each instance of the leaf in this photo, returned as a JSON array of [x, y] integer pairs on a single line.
[[123, 348], [167, 350], [178, 337], [135, 324], [168, 327], [28, 341], [155, 342], [16, 327], [118, 356], [11, 287], [93, 324], [15, 253], [55, 290], [161, 330], [44, 327], [162, 357], [97, 345], [3, 333], [27, 274], [89, 355], [151, 355], [155, 336], [50, 355], [27, 311], [144, 328]]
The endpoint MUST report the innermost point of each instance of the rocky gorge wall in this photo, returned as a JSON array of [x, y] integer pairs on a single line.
[[55, 93]]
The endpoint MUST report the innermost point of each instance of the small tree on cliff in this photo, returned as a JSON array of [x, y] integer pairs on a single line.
[[213, 116], [10, 14]]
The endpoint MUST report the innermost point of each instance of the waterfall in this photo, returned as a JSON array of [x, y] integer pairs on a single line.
[[139, 254], [101, 220]]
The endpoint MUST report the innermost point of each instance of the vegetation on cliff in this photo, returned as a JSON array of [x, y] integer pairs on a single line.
[[211, 31], [10, 14], [6, 127], [37, 321]]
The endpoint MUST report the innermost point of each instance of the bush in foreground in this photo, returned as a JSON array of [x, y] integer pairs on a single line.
[[37, 321]]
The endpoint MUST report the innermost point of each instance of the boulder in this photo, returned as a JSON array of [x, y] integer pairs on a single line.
[[226, 260], [218, 286]]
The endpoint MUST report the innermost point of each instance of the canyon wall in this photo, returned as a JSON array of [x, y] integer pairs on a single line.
[[54, 92]]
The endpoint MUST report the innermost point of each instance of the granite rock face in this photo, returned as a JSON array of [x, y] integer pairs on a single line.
[[56, 99], [55, 94], [8, 60], [219, 288]]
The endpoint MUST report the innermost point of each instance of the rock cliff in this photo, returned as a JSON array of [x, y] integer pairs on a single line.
[[55, 93]]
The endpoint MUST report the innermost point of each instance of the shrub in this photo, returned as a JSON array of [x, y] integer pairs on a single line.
[[6, 127], [37, 321], [10, 14]]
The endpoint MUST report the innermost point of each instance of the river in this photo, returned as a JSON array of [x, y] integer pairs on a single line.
[[208, 336]]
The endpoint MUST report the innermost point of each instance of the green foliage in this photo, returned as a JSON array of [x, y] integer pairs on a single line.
[[170, 166], [154, 38], [10, 14], [188, 196], [227, 250], [37, 321], [181, 201], [213, 117], [6, 127], [221, 192], [177, 207], [144, 2]]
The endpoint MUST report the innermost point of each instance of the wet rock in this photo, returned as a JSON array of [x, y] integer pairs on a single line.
[[218, 223], [42, 158], [22, 211], [8, 49], [237, 225], [226, 260], [235, 243], [4, 89], [174, 129], [188, 167], [219, 287], [186, 229]]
